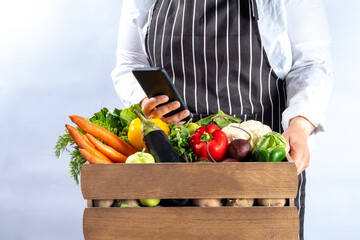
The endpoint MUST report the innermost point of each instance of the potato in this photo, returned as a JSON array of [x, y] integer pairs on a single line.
[[103, 203], [131, 202], [209, 202], [240, 202], [272, 202]]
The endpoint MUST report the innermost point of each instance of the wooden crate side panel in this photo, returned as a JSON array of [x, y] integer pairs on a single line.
[[191, 223], [181, 180]]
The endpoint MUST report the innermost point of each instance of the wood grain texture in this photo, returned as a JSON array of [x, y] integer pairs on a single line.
[[189, 180], [161, 223]]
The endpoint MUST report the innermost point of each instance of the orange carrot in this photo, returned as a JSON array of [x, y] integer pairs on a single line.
[[108, 137], [111, 153], [79, 138], [98, 154], [83, 142], [93, 158]]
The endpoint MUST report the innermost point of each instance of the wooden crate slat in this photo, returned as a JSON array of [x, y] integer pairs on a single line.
[[195, 180], [281, 223]]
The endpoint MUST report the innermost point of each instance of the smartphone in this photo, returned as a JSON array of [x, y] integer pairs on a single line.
[[155, 82]]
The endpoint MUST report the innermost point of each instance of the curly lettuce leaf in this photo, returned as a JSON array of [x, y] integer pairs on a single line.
[[128, 113]]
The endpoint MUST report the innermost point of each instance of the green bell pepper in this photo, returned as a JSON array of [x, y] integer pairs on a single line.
[[270, 148]]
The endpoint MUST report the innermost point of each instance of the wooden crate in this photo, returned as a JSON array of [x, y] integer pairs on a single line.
[[190, 180]]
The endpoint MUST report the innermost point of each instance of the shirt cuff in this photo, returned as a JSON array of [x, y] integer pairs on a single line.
[[307, 112]]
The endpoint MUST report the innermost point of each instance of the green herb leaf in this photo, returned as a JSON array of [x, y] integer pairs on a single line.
[[114, 120], [76, 162], [179, 138], [62, 143]]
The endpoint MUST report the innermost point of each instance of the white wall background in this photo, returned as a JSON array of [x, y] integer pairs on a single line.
[[55, 60]]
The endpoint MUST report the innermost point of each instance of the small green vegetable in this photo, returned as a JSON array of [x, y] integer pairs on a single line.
[[270, 148]]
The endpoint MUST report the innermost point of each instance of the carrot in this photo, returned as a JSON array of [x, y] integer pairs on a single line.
[[108, 137], [83, 142], [93, 158], [98, 154], [111, 153], [79, 138]]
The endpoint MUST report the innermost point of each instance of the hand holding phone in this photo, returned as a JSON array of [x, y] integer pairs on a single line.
[[154, 108], [163, 98]]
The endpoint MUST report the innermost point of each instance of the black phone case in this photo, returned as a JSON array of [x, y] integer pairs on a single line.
[[155, 82]]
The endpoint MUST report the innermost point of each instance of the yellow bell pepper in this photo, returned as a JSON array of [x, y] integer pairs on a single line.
[[135, 136]]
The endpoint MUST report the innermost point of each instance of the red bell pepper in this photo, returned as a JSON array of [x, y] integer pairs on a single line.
[[209, 140]]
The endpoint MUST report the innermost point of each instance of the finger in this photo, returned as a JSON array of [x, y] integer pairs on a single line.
[[176, 117], [151, 103], [296, 157], [143, 102], [301, 157], [287, 139], [164, 109], [179, 124]]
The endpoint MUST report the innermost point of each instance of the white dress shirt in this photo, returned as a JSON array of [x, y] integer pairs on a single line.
[[294, 34]]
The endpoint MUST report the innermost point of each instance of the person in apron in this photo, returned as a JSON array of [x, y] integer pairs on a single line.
[[214, 54]]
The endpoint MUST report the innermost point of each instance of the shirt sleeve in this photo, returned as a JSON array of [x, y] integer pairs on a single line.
[[310, 80], [129, 54]]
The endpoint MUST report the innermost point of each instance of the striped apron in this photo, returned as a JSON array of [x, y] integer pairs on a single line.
[[213, 52]]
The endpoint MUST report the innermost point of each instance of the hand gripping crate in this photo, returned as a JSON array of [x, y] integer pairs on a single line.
[[190, 180]]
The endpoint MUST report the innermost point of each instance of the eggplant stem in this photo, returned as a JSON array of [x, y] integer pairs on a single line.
[[207, 149], [244, 131]]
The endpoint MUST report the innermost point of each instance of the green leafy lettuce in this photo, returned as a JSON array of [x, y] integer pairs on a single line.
[[271, 141]]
